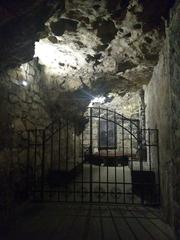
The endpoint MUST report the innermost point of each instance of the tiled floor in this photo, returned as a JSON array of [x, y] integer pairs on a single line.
[[88, 222]]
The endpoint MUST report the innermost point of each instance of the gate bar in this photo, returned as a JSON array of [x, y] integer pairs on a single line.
[[43, 165], [74, 163], [82, 160], [132, 163], [158, 162], [99, 127], [52, 144], [124, 189], [67, 157], [28, 161], [35, 156], [107, 142], [59, 145], [115, 132], [90, 153], [149, 144]]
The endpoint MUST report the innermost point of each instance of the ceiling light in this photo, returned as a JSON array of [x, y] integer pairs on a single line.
[[24, 83], [99, 99]]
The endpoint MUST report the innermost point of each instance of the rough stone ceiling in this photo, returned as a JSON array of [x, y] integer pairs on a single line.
[[105, 45]]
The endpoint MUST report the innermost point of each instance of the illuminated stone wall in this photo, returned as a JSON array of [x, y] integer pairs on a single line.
[[26, 105], [162, 112]]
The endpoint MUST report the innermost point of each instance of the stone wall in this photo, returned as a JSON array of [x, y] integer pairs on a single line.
[[28, 103], [162, 112], [22, 107], [174, 70], [158, 115]]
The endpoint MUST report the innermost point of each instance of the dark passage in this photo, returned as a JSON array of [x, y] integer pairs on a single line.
[[89, 119]]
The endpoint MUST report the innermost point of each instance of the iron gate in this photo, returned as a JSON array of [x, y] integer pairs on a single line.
[[110, 160]]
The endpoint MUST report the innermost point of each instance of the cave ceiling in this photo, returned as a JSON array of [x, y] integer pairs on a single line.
[[104, 45]]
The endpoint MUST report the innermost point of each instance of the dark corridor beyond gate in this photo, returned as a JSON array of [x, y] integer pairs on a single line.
[[112, 160]]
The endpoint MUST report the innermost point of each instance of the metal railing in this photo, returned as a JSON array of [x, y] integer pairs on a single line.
[[111, 160]]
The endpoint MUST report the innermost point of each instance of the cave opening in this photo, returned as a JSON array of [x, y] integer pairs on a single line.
[[89, 106]]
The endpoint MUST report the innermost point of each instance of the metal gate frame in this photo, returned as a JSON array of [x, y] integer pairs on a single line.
[[48, 149]]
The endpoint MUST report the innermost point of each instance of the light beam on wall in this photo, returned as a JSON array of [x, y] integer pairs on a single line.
[[98, 99], [58, 57]]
